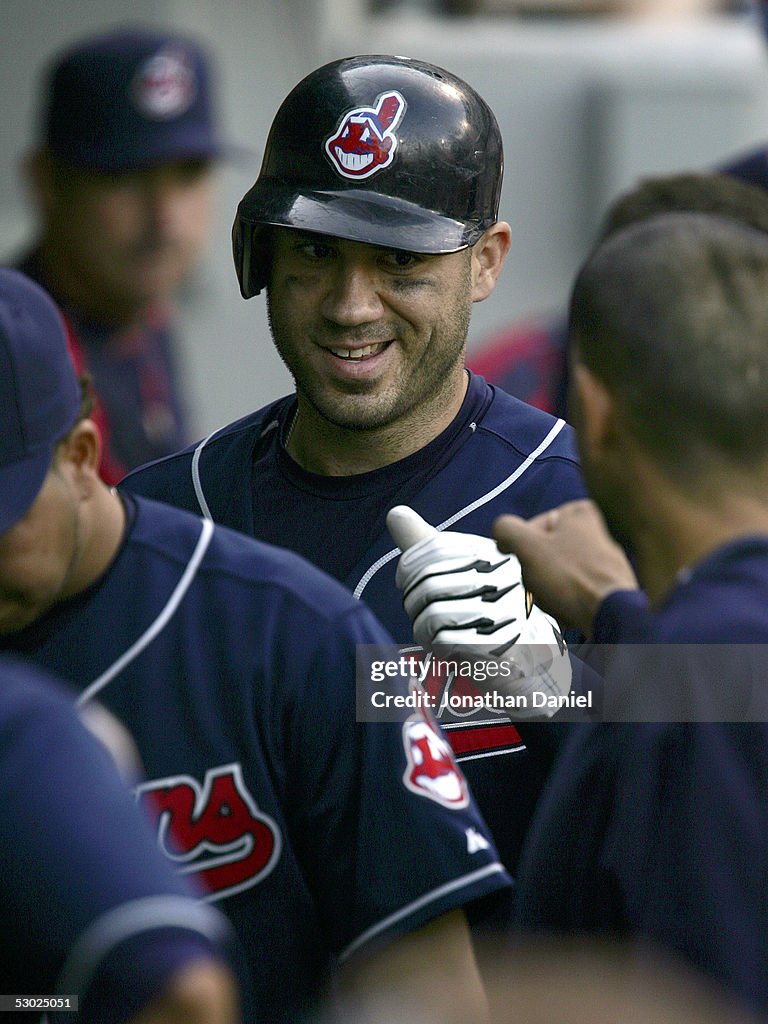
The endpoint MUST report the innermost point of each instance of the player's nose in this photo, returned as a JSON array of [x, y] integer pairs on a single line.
[[164, 205], [352, 297]]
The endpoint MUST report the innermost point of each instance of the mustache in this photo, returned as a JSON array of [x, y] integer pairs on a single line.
[[153, 245]]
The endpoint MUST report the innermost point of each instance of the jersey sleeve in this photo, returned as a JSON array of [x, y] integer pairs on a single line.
[[622, 617], [388, 831], [90, 905]]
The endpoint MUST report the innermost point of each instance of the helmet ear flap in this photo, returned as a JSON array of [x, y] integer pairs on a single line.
[[242, 261], [249, 259]]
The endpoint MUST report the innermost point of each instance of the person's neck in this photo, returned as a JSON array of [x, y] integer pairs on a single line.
[[325, 448], [675, 531], [104, 535], [73, 289]]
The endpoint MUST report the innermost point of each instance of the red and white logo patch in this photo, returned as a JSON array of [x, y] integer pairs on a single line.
[[365, 141], [472, 734], [214, 833], [431, 769], [165, 85]]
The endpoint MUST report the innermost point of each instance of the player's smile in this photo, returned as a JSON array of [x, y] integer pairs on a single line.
[[368, 333], [360, 363], [364, 352]]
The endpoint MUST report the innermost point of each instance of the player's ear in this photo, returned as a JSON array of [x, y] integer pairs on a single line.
[[594, 412], [37, 171], [487, 256], [80, 453]]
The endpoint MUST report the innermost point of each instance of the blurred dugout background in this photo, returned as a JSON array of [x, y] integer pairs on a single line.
[[590, 95]]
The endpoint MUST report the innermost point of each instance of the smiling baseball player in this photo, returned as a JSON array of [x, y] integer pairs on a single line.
[[374, 228]]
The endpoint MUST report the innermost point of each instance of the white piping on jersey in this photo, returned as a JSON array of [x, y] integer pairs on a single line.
[[160, 622], [197, 482], [461, 758], [477, 503], [466, 725], [422, 901], [272, 425], [133, 918], [394, 552]]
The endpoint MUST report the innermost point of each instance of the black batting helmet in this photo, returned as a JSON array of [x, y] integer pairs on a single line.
[[385, 150]]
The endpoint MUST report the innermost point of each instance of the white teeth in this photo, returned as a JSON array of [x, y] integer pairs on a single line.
[[353, 161], [358, 353]]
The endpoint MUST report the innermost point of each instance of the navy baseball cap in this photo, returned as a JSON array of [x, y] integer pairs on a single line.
[[129, 99], [39, 391]]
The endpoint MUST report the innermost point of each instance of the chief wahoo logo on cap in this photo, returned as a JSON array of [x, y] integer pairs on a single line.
[[165, 85]]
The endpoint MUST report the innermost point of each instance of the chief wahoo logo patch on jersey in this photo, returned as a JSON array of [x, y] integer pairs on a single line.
[[365, 141], [431, 769]]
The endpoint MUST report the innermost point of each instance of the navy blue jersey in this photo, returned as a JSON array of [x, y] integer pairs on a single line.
[[233, 664], [660, 831], [499, 455], [623, 617], [88, 904]]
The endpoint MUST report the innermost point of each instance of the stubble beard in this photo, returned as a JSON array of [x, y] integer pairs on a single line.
[[425, 386]]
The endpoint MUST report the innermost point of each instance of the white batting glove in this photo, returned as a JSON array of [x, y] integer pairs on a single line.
[[463, 594]]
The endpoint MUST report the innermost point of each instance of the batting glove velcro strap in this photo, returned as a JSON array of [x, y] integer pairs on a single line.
[[467, 598]]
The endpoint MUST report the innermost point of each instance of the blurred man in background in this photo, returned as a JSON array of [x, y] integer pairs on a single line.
[[528, 358], [123, 187], [529, 361]]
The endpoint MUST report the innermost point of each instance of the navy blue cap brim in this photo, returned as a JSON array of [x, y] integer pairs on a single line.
[[183, 146], [20, 484]]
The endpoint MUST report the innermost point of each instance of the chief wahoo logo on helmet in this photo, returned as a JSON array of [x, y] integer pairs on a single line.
[[364, 142]]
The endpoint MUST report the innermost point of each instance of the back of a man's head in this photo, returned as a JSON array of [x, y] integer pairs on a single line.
[[672, 315], [696, 192]]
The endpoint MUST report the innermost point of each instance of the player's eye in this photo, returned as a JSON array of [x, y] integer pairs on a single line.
[[398, 259], [314, 249], [191, 171]]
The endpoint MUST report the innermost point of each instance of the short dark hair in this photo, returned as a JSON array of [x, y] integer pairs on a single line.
[[671, 313], [87, 404], [87, 396], [718, 194]]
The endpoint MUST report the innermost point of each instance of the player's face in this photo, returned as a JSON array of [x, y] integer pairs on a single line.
[[370, 335], [40, 554], [131, 238]]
